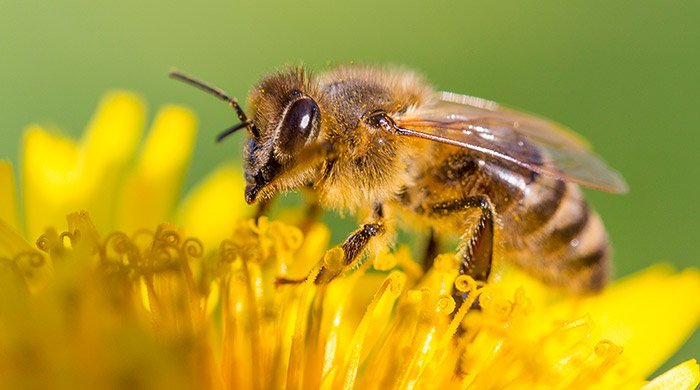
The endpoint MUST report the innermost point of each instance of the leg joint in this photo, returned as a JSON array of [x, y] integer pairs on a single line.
[[372, 229]]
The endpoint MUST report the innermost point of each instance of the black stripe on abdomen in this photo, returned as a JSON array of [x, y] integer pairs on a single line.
[[589, 271], [542, 200], [567, 225]]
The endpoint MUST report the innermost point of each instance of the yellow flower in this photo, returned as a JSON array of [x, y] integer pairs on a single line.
[[98, 300]]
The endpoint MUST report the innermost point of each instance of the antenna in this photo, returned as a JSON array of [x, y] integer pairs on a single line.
[[245, 122]]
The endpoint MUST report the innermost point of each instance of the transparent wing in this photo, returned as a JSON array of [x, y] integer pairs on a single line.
[[523, 139]]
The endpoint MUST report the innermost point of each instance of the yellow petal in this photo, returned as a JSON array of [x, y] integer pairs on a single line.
[[649, 314], [50, 180], [215, 206], [150, 193], [107, 147], [11, 242], [115, 130], [61, 177], [8, 197], [685, 376]]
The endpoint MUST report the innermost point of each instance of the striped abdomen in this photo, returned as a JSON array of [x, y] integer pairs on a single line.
[[547, 228], [551, 231]]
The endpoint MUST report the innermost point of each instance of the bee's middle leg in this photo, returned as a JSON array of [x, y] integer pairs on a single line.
[[353, 247], [478, 247]]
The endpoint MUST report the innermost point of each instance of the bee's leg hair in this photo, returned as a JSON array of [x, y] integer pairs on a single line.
[[478, 247], [263, 207]]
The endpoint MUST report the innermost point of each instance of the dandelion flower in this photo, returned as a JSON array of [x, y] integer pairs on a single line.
[[108, 282]]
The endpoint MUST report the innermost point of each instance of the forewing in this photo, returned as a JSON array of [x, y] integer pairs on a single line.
[[523, 139]]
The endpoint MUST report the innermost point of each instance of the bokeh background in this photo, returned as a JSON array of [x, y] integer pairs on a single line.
[[625, 74]]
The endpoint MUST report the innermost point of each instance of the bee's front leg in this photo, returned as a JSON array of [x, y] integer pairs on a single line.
[[312, 209], [263, 207], [477, 252], [431, 251]]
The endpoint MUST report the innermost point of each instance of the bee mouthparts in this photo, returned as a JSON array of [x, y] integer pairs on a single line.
[[251, 192]]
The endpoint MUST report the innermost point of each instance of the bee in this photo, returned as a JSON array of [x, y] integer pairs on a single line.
[[382, 143]]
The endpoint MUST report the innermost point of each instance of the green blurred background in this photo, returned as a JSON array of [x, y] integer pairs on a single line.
[[625, 74]]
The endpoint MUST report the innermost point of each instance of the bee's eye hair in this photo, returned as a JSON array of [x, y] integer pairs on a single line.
[[299, 124]]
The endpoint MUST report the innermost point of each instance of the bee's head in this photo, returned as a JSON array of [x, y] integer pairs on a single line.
[[285, 112], [285, 121]]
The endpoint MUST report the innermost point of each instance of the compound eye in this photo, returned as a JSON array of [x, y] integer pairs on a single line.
[[299, 125]]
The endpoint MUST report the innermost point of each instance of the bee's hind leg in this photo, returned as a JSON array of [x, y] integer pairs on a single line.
[[477, 248]]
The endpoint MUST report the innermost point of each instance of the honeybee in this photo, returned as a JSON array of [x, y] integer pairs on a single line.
[[383, 143]]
